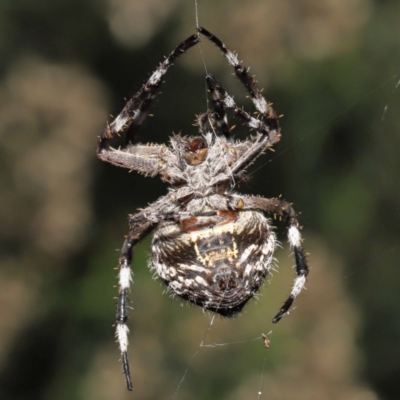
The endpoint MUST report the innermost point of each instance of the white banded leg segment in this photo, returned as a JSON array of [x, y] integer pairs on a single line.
[[136, 108], [283, 209], [122, 331], [227, 100], [124, 281], [298, 285], [125, 277], [294, 238], [122, 336]]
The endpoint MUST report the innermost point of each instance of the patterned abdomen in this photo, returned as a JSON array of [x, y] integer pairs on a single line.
[[217, 263]]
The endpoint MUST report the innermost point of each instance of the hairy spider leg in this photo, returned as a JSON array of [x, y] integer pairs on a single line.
[[204, 122], [285, 210], [141, 158], [216, 116], [227, 100], [176, 216], [141, 225], [135, 110], [269, 129], [125, 278], [221, 118], [243, 74]]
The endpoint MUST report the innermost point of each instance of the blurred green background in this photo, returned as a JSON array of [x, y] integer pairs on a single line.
[[332, 67]]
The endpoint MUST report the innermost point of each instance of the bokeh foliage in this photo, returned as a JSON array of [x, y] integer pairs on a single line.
[[331, 67]]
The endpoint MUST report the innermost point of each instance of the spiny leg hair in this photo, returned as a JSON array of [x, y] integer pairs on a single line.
[[135, 110], [283, 209]]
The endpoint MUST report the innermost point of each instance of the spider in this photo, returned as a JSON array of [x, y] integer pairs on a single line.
[[211, 246]]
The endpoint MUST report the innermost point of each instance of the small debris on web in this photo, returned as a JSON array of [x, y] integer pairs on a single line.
[[267, 342]]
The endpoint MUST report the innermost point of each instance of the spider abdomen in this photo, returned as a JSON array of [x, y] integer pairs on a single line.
[[216, 265]]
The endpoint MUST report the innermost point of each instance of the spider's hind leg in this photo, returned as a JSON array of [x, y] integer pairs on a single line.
[[285, 210], [302, 268], [125, 277]]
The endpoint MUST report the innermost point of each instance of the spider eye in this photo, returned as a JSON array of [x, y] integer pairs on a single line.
[[196, 151]]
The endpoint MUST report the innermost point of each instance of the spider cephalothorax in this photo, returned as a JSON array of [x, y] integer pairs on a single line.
[[211, 246]]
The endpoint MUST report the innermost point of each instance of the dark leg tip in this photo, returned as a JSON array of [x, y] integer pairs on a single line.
[[285, 308], [278, 317], [125, 368]]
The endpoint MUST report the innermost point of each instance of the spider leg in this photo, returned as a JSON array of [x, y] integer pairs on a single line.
[[207, 120], [242, 73], [265, 128], [204, 122], [140, 226], [144, 159], [125, 277], [285, 210], [268, 129], [135, 110], [178, 216], [221, 118], [267, 125]]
